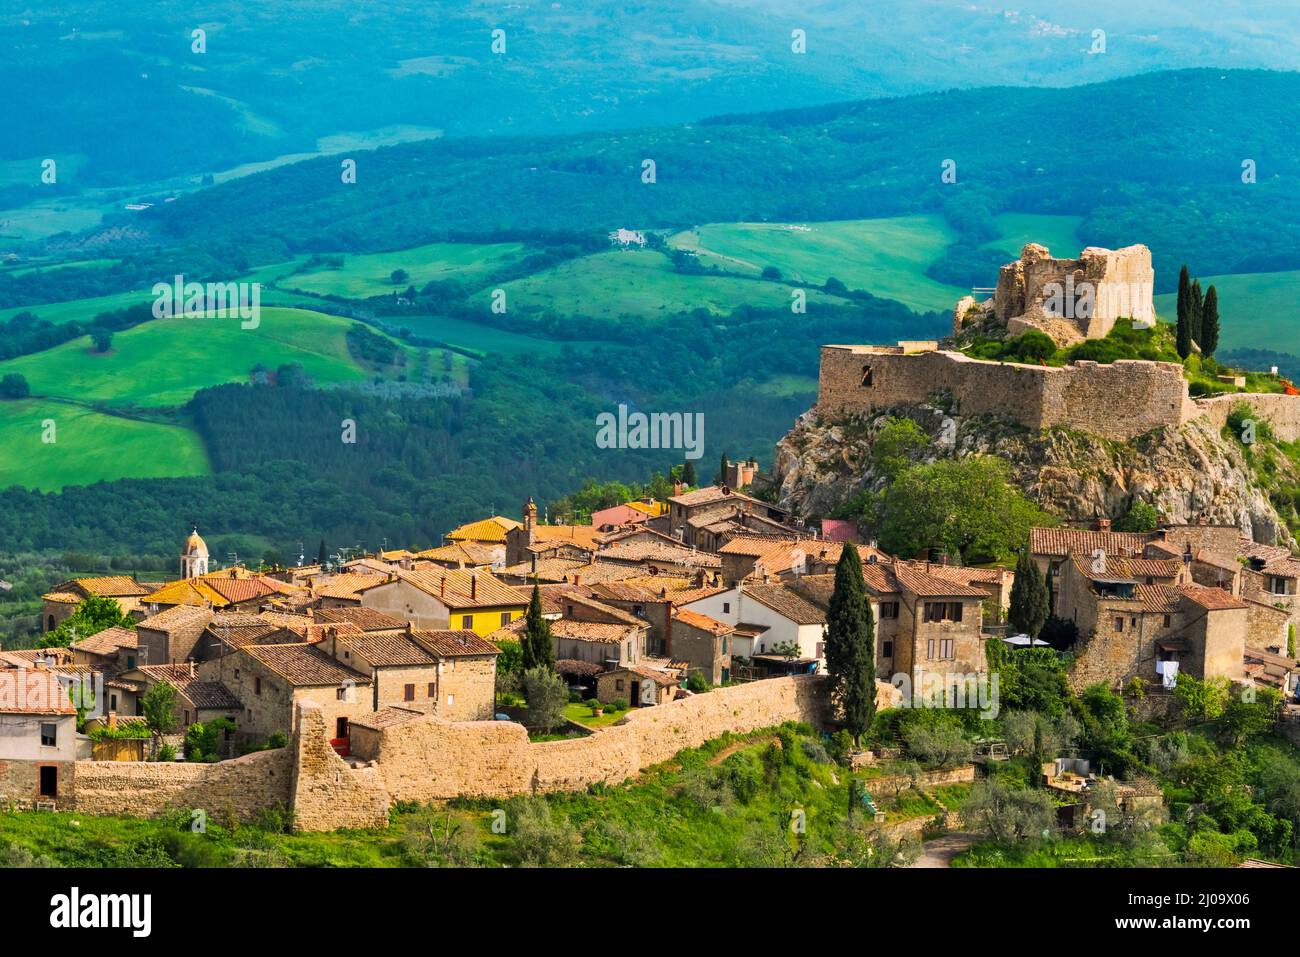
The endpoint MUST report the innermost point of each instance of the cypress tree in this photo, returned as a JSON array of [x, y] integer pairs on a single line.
[[1029, 598], [688, 474], [538, 647], [722, 471], [1197, 312], [1210, 322], [851, 645], [1184, 330], [320, 555]]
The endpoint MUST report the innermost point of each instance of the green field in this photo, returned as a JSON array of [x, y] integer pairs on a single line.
[[484, 339], [639, 283], [370, 275], [1057, 233], [83, 310], [886, 257], [1256, 310], [89, 447], [165, 361]]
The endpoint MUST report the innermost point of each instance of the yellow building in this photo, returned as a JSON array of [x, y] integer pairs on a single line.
[[452, 598]]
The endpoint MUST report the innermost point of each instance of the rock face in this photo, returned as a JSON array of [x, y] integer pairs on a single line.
[[1188, 473]]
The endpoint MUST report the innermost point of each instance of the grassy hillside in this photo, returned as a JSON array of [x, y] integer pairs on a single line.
[[163, 362], [371, 275], [1256, 310], [89, 447]]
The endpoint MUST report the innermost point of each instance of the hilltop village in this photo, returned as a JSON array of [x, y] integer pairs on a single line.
[[345, 686]]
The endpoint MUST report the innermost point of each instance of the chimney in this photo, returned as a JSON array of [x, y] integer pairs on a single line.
[[442, 589], [191, 667], [677, 489], [534, 563], [112, 719], [473, 587]]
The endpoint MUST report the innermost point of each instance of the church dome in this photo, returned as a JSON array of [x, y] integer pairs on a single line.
[[194, 545]]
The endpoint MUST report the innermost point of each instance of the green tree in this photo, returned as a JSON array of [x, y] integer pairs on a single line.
[[1198, 314], [897, 443], [537, 645], [14, 386], [688, 474], [547, 696], [399, 276], [321, 555], [1030, 597], [1210, 322], [92, 616], [721, 477], [159, 709], [103, 339], [967, 506], [1183, 336], [851, 644], [1140, 517]]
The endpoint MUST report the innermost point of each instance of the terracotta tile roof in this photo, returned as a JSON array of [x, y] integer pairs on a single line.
[[62, 597], [599, 632], [455, 644], [583, 536], [487, 530], [1212, 599], [187, 591], [347, 585], [367, 619], [468, 552], [28, 691], [917, 578], [786, 602], [28, 657], [756, 545], [653, 674], [111, 586], [304, 665], [596, 605], [383, 650], [108, 641], [201, 694], [578, 669], [178, 616], [239, 590], [1229, 562], [459, 588], [1282, 568], [651, 552], [964, 574], [703, 622], [236, 631], [1161, 599], [1248, 548], [546, 569], [389, 717], [1060, 542], [298, 624], [708, 494]]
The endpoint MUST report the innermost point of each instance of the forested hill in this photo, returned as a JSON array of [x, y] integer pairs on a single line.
[[1154, 159]]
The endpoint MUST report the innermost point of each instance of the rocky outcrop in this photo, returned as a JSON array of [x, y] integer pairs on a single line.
[[1189, 473]]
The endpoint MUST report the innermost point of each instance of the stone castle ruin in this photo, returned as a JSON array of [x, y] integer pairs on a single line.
[[1067, 299], [1070, 300]]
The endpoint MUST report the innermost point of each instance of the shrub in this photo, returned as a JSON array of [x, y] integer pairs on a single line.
[[697, 683], [619, 704]]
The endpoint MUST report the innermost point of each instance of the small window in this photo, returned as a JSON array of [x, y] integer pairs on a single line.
[[257, 686], [186, 719], [505, 618], [726, 608], [889, 609], [112, 702], [724, 644], [867, 377], [618, 684], [568, 610], [130, 661], [408, 693], [451, 699], [887, 649], [340, 693], [49, 734], [433, 689], [1169, 620], [467, 622], [945, 648], [1119, 624]]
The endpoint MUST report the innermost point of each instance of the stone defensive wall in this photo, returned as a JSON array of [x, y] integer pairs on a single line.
[[428, 759], [1119, 400]]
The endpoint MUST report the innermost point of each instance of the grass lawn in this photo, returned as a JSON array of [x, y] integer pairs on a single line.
[[80, 309], [480, 338], [1256, 310], [89, 447], [163, 362], [640, 283], [370, 275], [887, 257], [581, 713]]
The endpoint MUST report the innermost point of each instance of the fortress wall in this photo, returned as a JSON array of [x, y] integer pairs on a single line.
[[1282, 412], [1117, 401]]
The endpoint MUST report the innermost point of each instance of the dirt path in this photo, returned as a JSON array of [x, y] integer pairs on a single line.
[[940, 851]]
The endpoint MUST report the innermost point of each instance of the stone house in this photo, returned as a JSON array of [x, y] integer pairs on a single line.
[[38, 736], [639, 686], [530, 539], [402, 671], [688, 512], [61, 601], [450, 599], [465, 674], [271, 680], [768, 619], [703, 644], [197, 700], [171, 636], [113, 649], [369, 620]]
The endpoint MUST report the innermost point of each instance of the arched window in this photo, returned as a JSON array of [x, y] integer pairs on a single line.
[[50, 627], [866, 377]]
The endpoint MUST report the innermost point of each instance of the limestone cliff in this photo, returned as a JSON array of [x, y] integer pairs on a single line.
[[1187, 473]]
